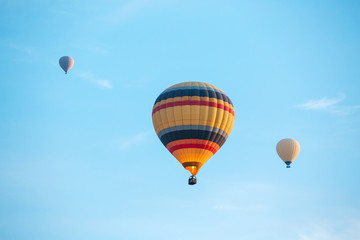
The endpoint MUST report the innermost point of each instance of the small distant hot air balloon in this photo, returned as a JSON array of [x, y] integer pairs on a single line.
[[66, 63], [288, 149], [193, 120]]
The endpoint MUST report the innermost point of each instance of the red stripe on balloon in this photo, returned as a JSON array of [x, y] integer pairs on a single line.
[[194, 102], [191, 145]]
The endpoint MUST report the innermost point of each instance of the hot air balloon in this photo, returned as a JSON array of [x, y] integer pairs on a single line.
[[66, 63], [288, 149], [193, 120]]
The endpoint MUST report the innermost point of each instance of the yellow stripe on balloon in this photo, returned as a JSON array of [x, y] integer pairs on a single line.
[[167, 118]]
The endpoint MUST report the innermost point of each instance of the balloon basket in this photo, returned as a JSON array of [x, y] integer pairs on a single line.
[[192, 180], [287, 166]]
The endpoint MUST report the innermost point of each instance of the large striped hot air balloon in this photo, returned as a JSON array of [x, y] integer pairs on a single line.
[[66, 63], [193, 120]]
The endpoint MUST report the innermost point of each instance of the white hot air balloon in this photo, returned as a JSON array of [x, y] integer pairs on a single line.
[[288, 149]]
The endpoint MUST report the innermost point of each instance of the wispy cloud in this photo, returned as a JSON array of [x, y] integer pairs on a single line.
[[329, 104], [241, 195], [62, 12], [135, 85], [138, 83], [226, 207], [95, 47], [138, 138], [349, 230], [131, 8], [104, 83], [21, 48], [127, 10], [85, 75], [323, 103]]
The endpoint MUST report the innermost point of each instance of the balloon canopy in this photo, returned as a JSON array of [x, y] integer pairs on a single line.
[[193, 120], [66, 63], [288, 149]]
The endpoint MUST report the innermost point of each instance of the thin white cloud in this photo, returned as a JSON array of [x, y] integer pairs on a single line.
[[227, 207], [344, 110], [94, 47], [104, 83], [135, 85], [85, 75], [224, 207], [134, 140], [241, 196], [22, 48], [62, 12], [323, 103], [349, 230], [98, 49], [126, 11], [330, 105], [131, 8], [139, 83]]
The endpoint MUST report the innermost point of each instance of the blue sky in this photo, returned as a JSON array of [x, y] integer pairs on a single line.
[[79, 158]]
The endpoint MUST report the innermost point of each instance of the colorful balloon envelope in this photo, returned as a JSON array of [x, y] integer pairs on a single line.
[[193, 120], [66, 63], [288, 149]]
